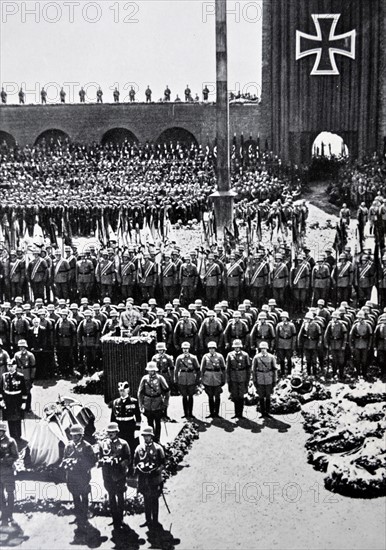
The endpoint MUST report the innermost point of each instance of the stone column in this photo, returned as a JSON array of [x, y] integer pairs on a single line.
[[223, 198]]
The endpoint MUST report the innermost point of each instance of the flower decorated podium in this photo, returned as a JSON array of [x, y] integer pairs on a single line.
[[124, 358]]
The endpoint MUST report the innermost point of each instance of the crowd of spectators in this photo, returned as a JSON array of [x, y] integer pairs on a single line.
[[55, 179], [359, 181]]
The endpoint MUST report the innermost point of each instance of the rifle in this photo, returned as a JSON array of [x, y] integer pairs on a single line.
[[164, 498]]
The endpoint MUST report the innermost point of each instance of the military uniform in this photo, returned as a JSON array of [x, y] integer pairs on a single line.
[[187, 376], [38, 275], [17, 276], [8, 456], [125, 412], [13, 395], [105, 276], [60, 278], [153, 397], [264, 378], [257, 279], [280, 278], [169, 280], [85, 277], [234, 278], [321, 281], [364, 279], [236, 329], [148, 279], [89, 342], [115, 459], [185, 331], [360, 342], [285, 344], [188, 280], [213, 377], [262, 331], [65, 337], [212, 282], [238, 367], [309, 340], [211, 330], [343, 277], [335, 340], [382, 284], [380, 345], [300, 284], [127, 276], [26, 363]]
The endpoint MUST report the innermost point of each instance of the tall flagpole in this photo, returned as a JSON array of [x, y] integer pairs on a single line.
[[223, 198]]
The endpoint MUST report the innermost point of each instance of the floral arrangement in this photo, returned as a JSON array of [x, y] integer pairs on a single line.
[[92, 385]]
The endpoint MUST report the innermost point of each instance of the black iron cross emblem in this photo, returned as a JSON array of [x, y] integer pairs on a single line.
[[325, 44]]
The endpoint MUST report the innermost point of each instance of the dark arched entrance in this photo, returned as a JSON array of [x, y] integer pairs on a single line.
[[176, 134], [118, 136], [52, 136], [7, 140]]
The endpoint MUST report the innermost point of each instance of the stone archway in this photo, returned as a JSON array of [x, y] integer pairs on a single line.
[[177, 134], [7, 140], [118, 136], [52, 135]]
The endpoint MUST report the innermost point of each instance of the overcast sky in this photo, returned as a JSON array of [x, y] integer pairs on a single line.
[[119, 43]]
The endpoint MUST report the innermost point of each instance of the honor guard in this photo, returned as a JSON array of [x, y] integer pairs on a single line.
[[321, 280], [264, 373], [213, 376], [37, 275], [335, 340], [300, 282], [105, 275], [238, 368], [236, 329], [60, 277], [188, 278], [285, 342], [343, 277], [127, 275], [147, 278], [185, 331], [309, 341], [187, 377], [153, 397], [65, 338], [280, 279], [85, 276], [149, 462], [234, 279], [360, 340], [13, 398], [17, 274], [212, 281], [262, 331], [26, 363], [257, 278], [364, 279], [115, 459], [125, 412], [211, 330], [89, 340]]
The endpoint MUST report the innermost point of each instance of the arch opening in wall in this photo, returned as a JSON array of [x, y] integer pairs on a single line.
[[52, 136], [329, 145], [177, 134], [118, 136], [7, 140]]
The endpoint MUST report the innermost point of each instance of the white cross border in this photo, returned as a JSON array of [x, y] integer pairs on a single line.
[[332, 51]]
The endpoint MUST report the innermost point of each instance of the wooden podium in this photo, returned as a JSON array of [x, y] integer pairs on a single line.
[[125, 359]]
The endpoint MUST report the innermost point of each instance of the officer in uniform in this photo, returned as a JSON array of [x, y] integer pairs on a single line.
[[280, 279], [60, 277], [115, 460], [148, 278], [17, 274], [309, 341], [38, 275], [342, 277], [89, 340], [185, 331], [212, 281], [85, 276], [335, 340], [360, 343], [262, 331], [285, 342], [257, 278], [105, 275], [213, 377], [165, 365], [13, 398], [187, 377], [125, 412], [153, 397], [149, 462], [238, 368], [78, 460], [211, 330], [236, 329], [26, 363], [234, 279], [126, 276], [188, 278], [65, 338], [321, 280], [364, 279], [264, 372], [169, 278], [8, 456], [300, 283]]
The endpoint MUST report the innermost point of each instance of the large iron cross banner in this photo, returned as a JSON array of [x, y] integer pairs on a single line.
[[325, 44]]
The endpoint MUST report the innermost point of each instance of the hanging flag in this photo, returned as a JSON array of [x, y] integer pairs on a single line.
[[38, 236]]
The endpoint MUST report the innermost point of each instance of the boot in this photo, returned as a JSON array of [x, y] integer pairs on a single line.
[[241, 408], [185, 407], [211, 408], [267, 406], [216, 407], [262, 407], [190, 406]]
